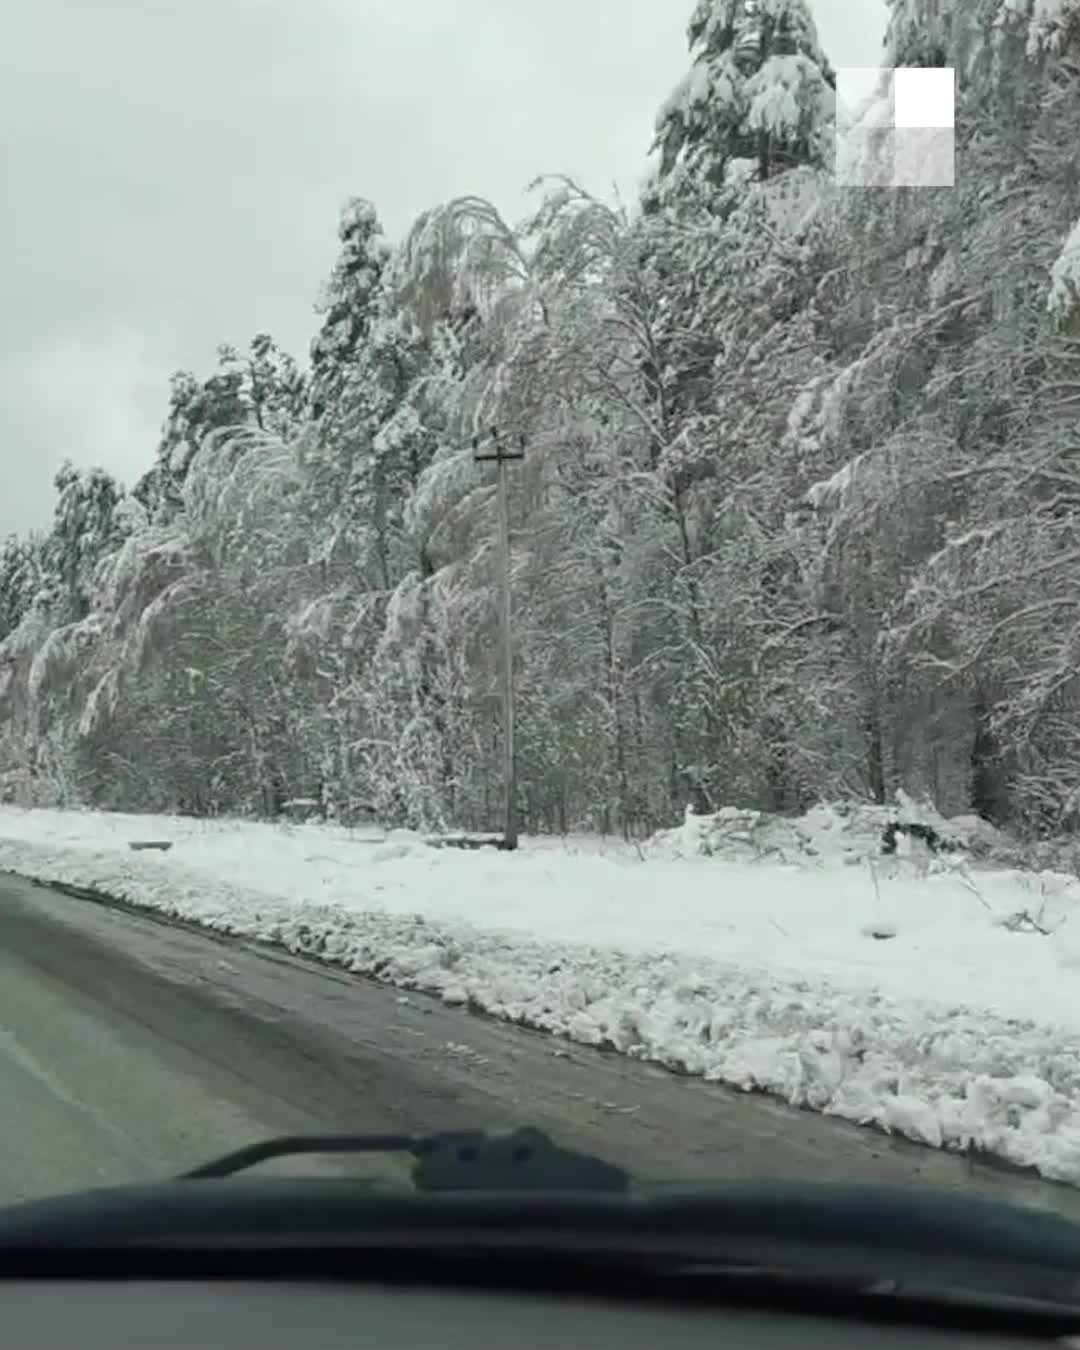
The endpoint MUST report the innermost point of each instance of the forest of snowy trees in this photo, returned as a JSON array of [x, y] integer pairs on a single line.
[[799, 516]]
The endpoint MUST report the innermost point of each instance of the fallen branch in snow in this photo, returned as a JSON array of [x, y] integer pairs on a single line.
[[1022, 922], [470, 841], [967, 881], [1018, 921]]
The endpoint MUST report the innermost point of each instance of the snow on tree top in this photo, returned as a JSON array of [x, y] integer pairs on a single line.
[[357, 215], [760, 87], [780, 92], [933, 32], [745, 21], [707, 81]]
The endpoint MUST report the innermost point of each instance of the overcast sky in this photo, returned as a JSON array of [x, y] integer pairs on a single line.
[[172, 174]]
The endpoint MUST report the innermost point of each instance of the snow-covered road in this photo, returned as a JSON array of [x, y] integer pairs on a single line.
[[960, 1029]]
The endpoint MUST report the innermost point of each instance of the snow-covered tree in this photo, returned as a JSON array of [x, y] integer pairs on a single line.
[[22, 577], [347, 303], [260, 388], [759, 98], [87, 527]]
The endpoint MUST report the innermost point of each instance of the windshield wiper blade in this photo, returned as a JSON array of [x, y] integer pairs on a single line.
[[286, 1146], [457, 1160]]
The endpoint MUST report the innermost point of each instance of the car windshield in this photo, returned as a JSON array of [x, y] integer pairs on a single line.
[[536, 548]]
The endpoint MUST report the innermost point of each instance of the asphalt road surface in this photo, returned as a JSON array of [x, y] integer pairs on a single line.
[[131, 1050]]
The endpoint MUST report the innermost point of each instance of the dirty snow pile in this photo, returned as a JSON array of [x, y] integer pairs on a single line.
[[846, 833], [938, 1001]]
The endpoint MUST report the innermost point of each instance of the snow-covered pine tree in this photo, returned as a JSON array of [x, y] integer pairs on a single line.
[[759, 98], [347, 303], [86, 528]]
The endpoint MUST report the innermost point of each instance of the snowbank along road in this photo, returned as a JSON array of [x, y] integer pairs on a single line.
[[131, 1049], [763, 973]]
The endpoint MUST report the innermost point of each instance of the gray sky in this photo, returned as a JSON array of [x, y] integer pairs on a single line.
[[172, 174]]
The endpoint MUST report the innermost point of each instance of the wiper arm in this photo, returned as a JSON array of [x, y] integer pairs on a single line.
[[295, 1145], [518, 1192], [851, 1233], [453, 1160]]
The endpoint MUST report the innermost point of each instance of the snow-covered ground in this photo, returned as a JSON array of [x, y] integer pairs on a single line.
[[944, 1005]]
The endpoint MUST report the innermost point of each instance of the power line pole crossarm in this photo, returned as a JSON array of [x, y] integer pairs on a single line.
[[500, 456]]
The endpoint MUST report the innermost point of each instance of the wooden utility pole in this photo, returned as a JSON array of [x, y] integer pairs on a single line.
[[500, 456]]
